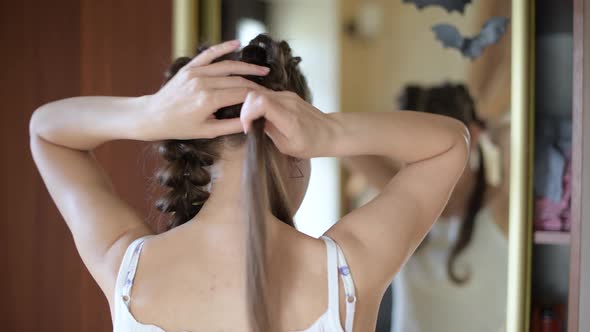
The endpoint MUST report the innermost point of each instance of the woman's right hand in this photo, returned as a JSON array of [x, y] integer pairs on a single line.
[[295, 126]]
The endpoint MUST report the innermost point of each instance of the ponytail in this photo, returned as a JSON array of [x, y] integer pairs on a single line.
[[474, 205], [256, 201], [263, 192]]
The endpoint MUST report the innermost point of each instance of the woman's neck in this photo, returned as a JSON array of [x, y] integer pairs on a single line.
[[225, 207]]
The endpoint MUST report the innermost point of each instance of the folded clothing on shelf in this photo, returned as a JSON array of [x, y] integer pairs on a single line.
[[552, 175]]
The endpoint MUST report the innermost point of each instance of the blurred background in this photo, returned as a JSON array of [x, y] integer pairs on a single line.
[[358, 55]]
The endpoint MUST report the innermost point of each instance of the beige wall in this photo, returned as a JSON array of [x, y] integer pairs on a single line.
[[311, 28], [405, 51]]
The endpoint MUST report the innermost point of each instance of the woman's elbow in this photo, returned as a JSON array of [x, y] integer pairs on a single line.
[[35, 122], [461, 139]]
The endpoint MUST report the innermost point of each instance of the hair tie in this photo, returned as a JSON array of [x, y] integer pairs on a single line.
[[492, 160]]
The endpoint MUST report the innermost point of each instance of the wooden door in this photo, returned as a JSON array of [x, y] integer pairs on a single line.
[[52, 50]]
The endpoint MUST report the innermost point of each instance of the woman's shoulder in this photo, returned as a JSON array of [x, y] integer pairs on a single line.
[[116, 257]]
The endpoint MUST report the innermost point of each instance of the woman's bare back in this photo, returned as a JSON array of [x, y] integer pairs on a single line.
[[192, 278]]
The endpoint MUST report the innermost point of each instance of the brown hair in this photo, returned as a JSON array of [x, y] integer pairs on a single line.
[[186, 175], [455, 101]]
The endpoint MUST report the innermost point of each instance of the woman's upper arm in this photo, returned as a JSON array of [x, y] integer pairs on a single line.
[[101, 223], [376, 170], [384, 233]]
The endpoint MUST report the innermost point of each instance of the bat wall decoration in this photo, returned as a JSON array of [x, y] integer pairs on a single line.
[[449, 5], [471, 47]]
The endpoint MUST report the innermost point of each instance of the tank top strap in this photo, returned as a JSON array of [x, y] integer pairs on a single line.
[[332, 269], [337, 265], [129, 267]]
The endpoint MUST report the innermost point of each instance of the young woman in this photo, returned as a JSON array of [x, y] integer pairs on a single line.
[[456, 279], [233, 125]]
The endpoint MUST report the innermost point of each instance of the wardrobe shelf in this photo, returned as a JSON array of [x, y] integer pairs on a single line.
[[552, 237]]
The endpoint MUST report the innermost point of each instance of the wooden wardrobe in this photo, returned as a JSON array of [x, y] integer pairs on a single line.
[[559, 270]]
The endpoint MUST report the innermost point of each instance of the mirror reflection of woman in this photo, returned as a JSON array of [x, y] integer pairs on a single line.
[[232, 259], [456, 279]]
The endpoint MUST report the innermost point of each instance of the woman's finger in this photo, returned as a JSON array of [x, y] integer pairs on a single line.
[[260, 104], [220, 98], [228, 82], [229, 67], [213, 52], [275, 135], [223, 127]]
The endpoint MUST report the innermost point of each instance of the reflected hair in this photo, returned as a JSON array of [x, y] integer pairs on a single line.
[[186, 177], [452, 100]]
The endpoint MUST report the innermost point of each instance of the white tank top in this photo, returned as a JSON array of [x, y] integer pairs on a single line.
[[329, 321], [426, 300]]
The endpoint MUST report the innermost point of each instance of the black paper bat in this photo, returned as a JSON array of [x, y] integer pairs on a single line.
[[449, 5], [471, 48]]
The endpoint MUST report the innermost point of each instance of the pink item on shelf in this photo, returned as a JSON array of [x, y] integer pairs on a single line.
[[556, 216], [566, 220], [547, 215]]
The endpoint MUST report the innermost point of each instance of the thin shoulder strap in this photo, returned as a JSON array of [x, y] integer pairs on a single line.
[[348, 289], [332, 268], [341, 266], [135, 248]]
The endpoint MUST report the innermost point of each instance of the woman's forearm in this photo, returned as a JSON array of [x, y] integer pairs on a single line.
[[404, 135], [84, 123]]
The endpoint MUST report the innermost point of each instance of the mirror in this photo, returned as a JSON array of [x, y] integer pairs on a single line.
[[382, 55]]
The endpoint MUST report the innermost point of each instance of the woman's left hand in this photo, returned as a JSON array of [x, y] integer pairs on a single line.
[[184, 107]]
